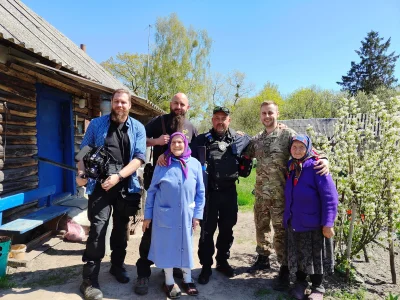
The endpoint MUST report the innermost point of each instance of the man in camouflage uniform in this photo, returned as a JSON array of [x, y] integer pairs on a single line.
[[271, 149]]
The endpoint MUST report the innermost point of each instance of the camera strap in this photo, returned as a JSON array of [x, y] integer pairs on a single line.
[[163, 125], [164, 133]]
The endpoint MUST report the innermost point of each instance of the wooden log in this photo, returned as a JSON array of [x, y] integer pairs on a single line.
[[27, 182], [53, 79], [17, 100], [14, 81], [16, 120], [24, 186], [18, 140], [25, 77], [19, 110], [82, 85], [84, 116], [18, 130], [95, 103], [17, 90], [19, 162], [96, 113], [19, 150], [84, 111], [18, 173]]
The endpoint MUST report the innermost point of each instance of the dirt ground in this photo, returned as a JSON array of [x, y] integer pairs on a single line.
[[56, 274]]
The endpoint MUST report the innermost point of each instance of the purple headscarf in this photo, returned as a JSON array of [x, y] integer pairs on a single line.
[[169, 156], [297, 164]]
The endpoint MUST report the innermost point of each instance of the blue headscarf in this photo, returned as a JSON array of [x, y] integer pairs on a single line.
[[296, 165]]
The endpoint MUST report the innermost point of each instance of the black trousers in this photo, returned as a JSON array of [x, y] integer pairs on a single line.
[[220, 210], [99, 212], [143, 264]]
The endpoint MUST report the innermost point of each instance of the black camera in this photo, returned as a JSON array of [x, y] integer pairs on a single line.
[[98, 162]]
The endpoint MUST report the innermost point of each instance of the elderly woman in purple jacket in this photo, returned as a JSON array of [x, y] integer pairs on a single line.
[[174, 204], [310, 212]]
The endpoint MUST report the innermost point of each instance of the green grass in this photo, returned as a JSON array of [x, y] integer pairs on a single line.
[[392, 297], [54, 277], [244, 189], [346, 295], [271, 295], [5, 282]]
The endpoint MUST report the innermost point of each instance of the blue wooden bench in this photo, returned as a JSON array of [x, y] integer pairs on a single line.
[[35, 219]]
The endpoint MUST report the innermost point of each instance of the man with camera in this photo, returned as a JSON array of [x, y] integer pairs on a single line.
[[219, 151], [158, 131], [124, 140]]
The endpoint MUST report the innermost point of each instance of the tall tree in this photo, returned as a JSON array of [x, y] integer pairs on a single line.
[[179, 62], [237, 82], [228, 89], [376, 68], [246, 113], [222, 90], [130, 68], [311, 102]]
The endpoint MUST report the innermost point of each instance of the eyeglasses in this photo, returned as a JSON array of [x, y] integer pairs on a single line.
[[221, 108]]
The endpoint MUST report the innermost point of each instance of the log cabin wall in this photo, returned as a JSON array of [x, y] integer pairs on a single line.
[[18, 170], [18, 140]]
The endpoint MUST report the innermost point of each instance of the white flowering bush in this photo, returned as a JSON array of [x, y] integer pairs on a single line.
[[364, 160]]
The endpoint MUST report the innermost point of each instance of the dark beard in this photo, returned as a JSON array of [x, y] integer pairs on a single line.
[[176, 122], [118, 117]]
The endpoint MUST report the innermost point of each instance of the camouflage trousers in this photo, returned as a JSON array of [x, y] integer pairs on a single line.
[[267, 212]]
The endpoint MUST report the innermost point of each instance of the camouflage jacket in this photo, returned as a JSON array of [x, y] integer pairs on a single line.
[[272, 154]]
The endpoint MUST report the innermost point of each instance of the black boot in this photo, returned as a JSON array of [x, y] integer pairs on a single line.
[[119, 273], [91, 290], [205, 274], [262, 263], [282, 282], [90, 285], [225, 268]]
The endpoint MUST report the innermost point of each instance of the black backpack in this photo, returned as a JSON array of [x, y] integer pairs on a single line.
[[245, 166]]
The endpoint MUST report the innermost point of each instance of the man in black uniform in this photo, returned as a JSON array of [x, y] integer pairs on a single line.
[[174, 121], [124, 138], [221, 198]]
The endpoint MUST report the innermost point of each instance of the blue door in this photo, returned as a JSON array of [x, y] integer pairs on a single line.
[[55, 138]]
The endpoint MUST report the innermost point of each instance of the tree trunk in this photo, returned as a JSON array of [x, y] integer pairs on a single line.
[[350, 241], [391, 246], [365, 254]]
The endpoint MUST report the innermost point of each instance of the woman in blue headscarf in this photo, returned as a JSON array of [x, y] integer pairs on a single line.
[[310, 212], [175, 202]]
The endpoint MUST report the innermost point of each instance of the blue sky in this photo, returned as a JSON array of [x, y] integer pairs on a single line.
[[292, 43]]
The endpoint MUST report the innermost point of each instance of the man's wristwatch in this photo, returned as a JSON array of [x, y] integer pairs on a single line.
[[120, 177]]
